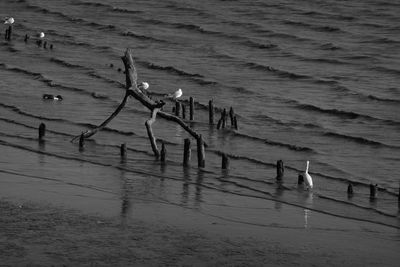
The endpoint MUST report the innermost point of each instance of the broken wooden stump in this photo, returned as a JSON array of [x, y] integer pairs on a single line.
[[186, 153], [232, 115], [210, 112], [123, 151], [372, 191], [177, 108], [163, 153], [191, 108], [225, 162], [200, 152], [350, 189], [279, 170], [42, 131], [81, 141]]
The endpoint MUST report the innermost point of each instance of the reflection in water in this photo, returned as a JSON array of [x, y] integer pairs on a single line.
[[125, 203], [42, 147], [278, 195], [307, 214], [199, 181], [185, 189]]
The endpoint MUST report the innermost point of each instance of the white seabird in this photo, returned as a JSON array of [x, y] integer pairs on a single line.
[[9, 20], [307, 177], [143, 86], [176, 95]]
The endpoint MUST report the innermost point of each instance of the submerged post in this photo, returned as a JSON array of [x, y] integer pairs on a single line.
[[372, 191], [350, 189], [163, 153], [123, 150], [186, 152], [26, 38], [42, 131], [279, 170], [210, 112], [225, 162], [191, 111], [223, 116], [200, 152], [81, 141], [235, 122]]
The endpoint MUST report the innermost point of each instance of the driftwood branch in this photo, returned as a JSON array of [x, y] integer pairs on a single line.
[[153, 106], [148, 124]]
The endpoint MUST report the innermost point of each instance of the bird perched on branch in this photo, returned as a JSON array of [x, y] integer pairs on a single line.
[[9, 20], [176, 94], [143, 86]]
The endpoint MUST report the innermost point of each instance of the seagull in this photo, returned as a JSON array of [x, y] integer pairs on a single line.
[[41, 35], [143, 86], [176, 95], [307, 177], [9, 20]]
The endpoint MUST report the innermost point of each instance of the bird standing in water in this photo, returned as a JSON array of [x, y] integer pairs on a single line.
[[307, 177]]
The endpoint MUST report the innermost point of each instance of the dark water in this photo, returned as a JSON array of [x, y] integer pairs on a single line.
[[309, 80]]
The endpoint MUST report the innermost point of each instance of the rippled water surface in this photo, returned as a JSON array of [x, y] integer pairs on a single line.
[[309, 80]]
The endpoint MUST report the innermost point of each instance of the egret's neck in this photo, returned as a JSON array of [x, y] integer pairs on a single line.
[[308, 164]]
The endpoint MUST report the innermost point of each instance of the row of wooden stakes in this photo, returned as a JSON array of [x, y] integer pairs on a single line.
[[201, 162], [180, 111], [39, 42]]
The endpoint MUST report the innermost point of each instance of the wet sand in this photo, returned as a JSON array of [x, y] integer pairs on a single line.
[[35, 234]]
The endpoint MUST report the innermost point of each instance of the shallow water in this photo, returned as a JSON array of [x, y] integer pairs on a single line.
[[308, 80]]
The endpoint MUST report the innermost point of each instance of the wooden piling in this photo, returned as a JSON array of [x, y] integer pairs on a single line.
[[177, 108], [210, 112], [232, 115], [81, 141], [372, 191], [223, 116], [279, 170], [235, 122], [45, 45], [191, 111], [6, 35], [186, 152], [26, 38], [9, 33], [163, 153], [123, 150], [42, 131], [51, 47], [225, 162], [350, 189], [200, 152], [183, 111], [300, 179]]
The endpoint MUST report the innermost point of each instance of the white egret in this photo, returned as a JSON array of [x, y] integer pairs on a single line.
[[307, 177]]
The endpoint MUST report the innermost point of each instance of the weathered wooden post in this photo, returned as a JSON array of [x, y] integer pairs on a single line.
[[177, 108], [6, 35], [372, 191], [163, 153], [350, 189], [232, 115], [183, 111], [210, 112], [45, 45], [225, 162], [223, 116], [191, 111], [279, 170], [123, 151], [9, 33], [300, 179], [186, 152], [81, 141], [26, 38], [200, 152], [42, 131], [51, 47], [235, 122]]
